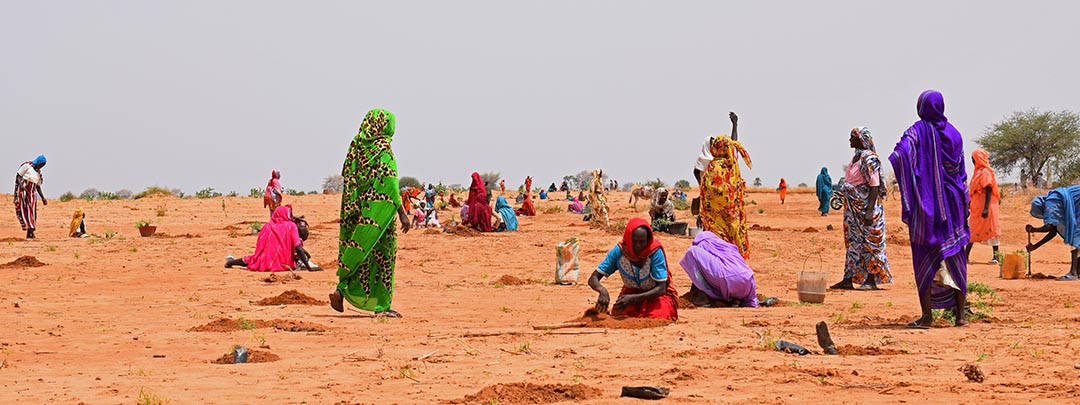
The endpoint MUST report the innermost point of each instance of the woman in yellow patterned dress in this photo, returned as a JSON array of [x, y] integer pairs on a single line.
[[723, 189]]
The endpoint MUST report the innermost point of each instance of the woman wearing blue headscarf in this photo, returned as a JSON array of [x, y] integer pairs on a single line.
[[27, 189], [1059, 210], [509, 217], [824, 191]]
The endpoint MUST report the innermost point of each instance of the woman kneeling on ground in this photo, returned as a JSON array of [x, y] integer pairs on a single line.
[[640, 261], [720, 275], [280, 246]]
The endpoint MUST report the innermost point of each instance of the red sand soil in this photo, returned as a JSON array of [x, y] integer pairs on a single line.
[[9, 240], [850, 350], [810, 229], [594, 319], [254, 356], [180, 236], [22, 262], [759, 227], [529, 393], [291, 297], [232, 325], [121, 306], [462, 230]]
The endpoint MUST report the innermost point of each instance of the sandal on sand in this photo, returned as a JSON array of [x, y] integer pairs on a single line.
[[843, 285], [645, 392], [336, 301], [1067, 277], [916, 325], [388, 314], [867, 287]]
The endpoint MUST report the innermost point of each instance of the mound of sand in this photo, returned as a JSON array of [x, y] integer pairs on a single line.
[[291, 297], [528, 393], [22, 262], [507, 279], [232, 325], [594, 319], [254, 356]]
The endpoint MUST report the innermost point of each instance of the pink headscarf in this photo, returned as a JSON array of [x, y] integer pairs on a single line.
[[277, 240]]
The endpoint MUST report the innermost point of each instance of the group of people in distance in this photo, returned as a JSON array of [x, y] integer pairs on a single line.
[[944, 214]]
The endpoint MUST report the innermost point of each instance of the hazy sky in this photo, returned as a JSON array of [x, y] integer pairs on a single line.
[[191, 94]]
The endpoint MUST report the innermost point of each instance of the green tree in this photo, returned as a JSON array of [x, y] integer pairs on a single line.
[[682, 184], [757, 182], [409, 181], [1035, 141]]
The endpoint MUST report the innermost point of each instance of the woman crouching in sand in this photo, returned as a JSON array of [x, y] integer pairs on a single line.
[[640, 261]]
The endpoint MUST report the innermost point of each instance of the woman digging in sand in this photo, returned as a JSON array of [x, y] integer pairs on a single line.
[[479, 205], [1059, 210], [369, 200], [27, 190], [866, 262], [280, 246], [641, 263], [929, 165]]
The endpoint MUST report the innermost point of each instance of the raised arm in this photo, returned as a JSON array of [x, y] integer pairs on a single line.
[[734, 125]]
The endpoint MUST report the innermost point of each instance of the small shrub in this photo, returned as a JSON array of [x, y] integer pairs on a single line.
[[68, 196], [409, 181], [155, 190], [234, 194], [255, 226], [207, 193], [294, 192], [123, 194], [105, 195], [90, 194], [255, 193], [680, 204], [334, 183], [142, 223]]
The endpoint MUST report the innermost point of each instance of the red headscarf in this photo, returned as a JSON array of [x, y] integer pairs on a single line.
[[627, 244]]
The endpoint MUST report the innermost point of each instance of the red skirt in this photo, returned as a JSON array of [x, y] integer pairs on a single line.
[[665, 306]]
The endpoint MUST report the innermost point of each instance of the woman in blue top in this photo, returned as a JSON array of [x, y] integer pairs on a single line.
[[640, 261]]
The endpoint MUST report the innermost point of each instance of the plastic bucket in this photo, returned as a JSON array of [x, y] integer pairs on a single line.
[[678, 228], [1014, 266], [811, 287]]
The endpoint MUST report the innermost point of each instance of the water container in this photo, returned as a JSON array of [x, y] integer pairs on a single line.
[[1014, 266], [811, 287]]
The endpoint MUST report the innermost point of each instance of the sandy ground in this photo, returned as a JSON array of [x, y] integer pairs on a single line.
[[107, 320]]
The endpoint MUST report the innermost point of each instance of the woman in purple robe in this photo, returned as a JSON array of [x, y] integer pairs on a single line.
[[929, 166], [720, 274]]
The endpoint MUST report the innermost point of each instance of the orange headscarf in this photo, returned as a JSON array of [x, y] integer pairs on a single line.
[[983, 174]]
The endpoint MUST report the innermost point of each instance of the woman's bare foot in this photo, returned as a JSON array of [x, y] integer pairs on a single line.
[[337, 301]]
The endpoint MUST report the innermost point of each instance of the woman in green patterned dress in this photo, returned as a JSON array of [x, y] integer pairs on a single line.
[[369, 200]]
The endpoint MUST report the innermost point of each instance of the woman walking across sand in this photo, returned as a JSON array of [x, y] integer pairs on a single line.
[[368, 249]]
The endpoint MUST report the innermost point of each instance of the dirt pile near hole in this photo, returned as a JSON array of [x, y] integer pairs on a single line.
[[254, 356], [22, 262], [528, 393], [462, 230], [291, 297], [432, 231], [851, 350], [757, 227], [507, 279], [594, 319], [283, 279], [809, 229], [233, 325]]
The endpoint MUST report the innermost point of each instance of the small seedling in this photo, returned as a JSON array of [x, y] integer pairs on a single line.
[[1069, 305], [524, 348], [109, 233], [981, 357], [76, 255], [134, 249], [52, 248], [855, 306], [245, 324], [504, 309], [148, 398], [1036, 353], [760, 210]]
